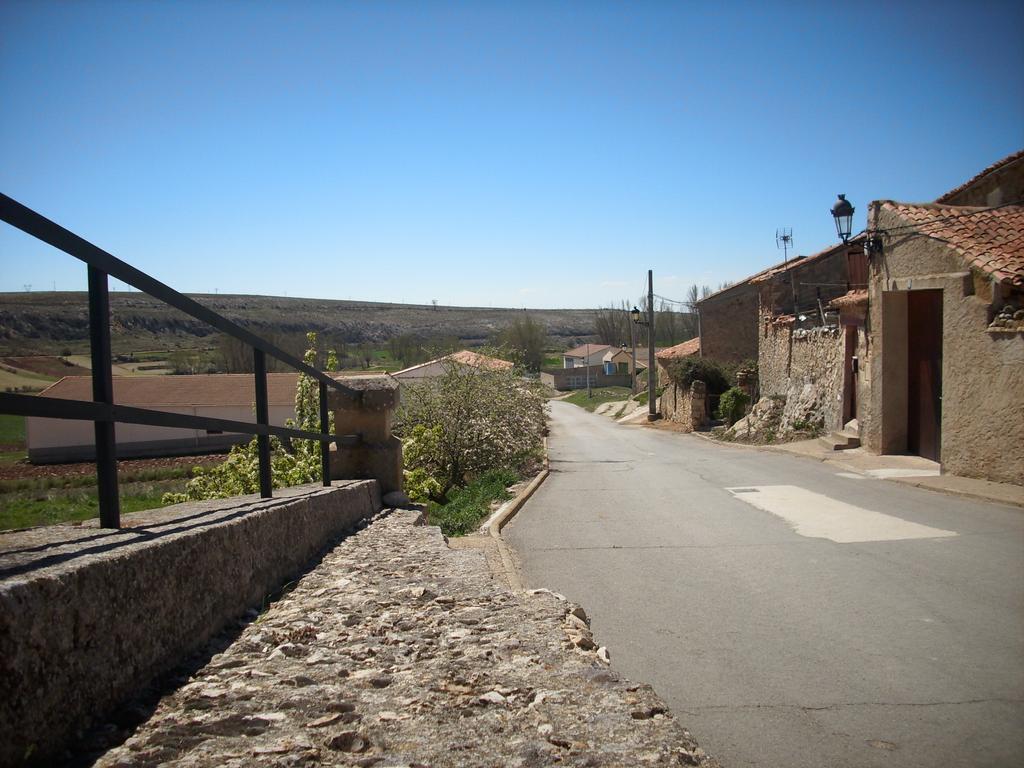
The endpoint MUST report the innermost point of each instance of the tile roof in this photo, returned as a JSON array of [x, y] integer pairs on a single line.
[[477, 360], [988, 239], [464, 357], [216, 389], [687, 348], [586, 350], [799, 262], [980, 175], [850, 299], [782, 266]]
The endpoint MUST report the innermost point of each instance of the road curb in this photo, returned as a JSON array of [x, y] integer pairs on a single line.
[[506, 513]]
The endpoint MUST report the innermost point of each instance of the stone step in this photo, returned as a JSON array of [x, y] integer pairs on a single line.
[[840, 441]]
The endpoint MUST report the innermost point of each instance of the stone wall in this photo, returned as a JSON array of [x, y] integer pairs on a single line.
[[728, 324], [982, 422], [88, 616], [685, 406], [576, 378], [805, 365]]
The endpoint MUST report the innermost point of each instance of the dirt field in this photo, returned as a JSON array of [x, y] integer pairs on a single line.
[[19, 470]]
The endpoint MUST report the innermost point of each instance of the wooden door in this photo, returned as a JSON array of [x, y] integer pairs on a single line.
[[924, 373], [850, 376]]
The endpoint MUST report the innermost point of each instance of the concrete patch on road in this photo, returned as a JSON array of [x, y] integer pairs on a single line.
[[815, 515], [890, 472]]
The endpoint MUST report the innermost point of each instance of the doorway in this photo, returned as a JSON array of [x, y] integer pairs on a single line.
[[924, 373]]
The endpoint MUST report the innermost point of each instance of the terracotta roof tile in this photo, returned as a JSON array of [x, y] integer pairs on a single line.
[[980, 175], [586, 350], [466, 357], [988, 239], [687, 348], [850, 299]]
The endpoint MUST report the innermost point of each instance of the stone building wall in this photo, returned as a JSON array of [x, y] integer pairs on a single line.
[[773, 357], [982, 421], [823, 276], [728, 324], [815, 378], [806, 367]]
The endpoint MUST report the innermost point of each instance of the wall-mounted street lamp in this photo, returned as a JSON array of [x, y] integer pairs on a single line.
[[635, 314], [842, 212]]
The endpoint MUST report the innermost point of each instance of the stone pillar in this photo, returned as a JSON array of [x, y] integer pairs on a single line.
[[368, 414]]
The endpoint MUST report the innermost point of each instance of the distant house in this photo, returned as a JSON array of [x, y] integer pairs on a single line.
[[587, 354], [945, 304], [222, 396], [580, 377], [434, 368], [620, 361]]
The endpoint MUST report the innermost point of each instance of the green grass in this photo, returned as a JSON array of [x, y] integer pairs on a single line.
[[12, 429], [67, 482], [24, 510], [12, 438], [599, 395], [468, 507]]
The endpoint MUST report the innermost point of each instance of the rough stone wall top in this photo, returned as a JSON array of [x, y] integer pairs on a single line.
[[398, 651]]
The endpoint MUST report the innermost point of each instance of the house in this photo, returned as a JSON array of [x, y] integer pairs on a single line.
[[728, 319], [945, 314], [618, 361], [434, 368], [221, 396], [804, 352], [687, 349], [587, 354], [579, 377]]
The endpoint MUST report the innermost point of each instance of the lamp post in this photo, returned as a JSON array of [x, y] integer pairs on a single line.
[[652, 410], [842, 212]]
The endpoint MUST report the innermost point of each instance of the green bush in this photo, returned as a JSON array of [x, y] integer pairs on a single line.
[[690, 369], [468, 507], [464, 423], [732, 405]]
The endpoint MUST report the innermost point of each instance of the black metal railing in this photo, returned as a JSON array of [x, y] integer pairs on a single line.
[[104, 412]]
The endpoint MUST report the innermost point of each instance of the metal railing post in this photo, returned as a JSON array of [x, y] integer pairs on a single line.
[[325, 448], [103, 392], [263, 417]]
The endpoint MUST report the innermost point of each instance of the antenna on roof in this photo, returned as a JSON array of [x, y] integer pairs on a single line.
[[784, 240]]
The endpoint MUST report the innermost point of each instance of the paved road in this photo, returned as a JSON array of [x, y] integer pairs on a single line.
[[803, 618]]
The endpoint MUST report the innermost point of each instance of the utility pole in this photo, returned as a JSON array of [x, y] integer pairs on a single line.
[[586, 362], [652, 375], [632, 341]]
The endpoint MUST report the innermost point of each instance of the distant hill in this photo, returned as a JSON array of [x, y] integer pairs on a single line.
[[55, 323]]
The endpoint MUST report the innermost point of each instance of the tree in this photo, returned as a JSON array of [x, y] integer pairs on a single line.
[[526, 340], [464, 423], [612, 324]]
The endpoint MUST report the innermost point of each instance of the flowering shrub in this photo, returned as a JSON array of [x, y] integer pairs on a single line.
[[239, 473], [462, 424]]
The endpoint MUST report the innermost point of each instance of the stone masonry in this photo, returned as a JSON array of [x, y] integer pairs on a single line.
[[398, 651]]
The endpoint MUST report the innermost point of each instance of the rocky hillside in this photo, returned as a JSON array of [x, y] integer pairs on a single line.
[[56, 323]]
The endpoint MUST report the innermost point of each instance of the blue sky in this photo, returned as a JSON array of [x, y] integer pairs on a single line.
[[502, 154]]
